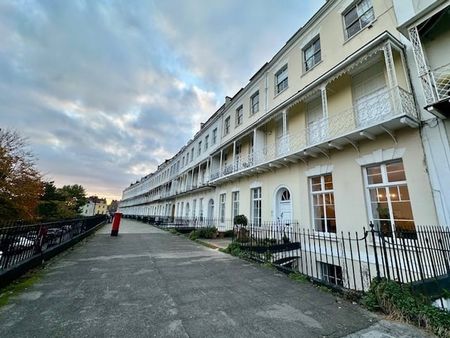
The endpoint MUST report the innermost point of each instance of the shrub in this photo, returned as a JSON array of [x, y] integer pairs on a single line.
[[234, 249], [399, 301], [240, 220], [207, 233]]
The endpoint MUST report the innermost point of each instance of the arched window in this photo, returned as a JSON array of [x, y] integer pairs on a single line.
[[285, 195]]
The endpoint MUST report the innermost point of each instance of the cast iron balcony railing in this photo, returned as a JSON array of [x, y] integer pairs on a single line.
[[441, 77], [373, 109]]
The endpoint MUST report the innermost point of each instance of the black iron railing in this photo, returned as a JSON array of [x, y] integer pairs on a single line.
[[351, 260], [20, 241], [185, 223]]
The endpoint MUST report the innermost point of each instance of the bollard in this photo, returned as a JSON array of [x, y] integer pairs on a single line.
[[115, 224]]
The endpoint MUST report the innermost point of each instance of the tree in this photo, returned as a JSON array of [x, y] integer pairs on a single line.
[[20, 182], [60, 203], [75, 196]]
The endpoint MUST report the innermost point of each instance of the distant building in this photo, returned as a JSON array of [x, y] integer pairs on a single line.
[[113, 206], [94, 206]]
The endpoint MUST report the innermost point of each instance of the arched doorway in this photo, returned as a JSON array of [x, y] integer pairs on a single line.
[[283, 205], [211, 209]]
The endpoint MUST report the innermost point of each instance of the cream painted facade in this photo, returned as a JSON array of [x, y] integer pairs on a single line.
[[94, 207], [349, 111]]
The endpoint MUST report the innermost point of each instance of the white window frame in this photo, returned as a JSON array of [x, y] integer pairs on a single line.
[[206, 142], [222, 205], [356, 5], [239, 115], [385, 184], [309, 46], [283, 84], [322, 192], [339, 280], [254, 106], [214, 137], [199, 152], [256, 218], [234, 204], [226, 125]]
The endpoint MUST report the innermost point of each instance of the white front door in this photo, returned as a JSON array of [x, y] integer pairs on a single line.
[[284, 206]]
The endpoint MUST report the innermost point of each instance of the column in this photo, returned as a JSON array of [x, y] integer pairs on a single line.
[[390, 66], [234, 155], [220, 166], [392, 77], [284, 113], [323, 95]]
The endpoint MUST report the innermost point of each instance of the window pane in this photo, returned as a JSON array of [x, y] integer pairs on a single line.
[[404, 194], [395, 172], [407, 227], [353, 29], [367, 17], [393, 193], [380, 211], [332, 225], [350, 17], [318, 212], [330, 211], [328, 182], [317, 200], [315, 184], [319, 225], [374, 175], [402, 211]]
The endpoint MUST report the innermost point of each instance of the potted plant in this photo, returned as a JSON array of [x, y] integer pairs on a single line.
[[240, 224]]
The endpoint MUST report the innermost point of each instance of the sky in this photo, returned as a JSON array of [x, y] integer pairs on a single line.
[[104, 91]]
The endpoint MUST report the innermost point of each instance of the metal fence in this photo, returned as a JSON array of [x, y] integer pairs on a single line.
[[351, 260], [19, 241], [185, 223]]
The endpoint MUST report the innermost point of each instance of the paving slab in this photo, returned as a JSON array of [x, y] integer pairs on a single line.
[[149, 283]]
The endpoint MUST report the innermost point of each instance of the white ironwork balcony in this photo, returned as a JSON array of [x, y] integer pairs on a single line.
[[441, 77], [373, 110]]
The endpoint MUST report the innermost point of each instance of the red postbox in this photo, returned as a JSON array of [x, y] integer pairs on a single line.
[[115, 224]]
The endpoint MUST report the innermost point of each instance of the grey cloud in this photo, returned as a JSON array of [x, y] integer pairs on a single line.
[[105, 90]]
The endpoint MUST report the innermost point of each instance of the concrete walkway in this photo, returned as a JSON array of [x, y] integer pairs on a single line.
[[150, 283]]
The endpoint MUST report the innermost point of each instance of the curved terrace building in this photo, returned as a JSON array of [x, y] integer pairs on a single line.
[[327, 133]]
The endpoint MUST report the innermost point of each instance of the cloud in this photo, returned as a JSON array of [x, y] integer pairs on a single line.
[[106, 90]]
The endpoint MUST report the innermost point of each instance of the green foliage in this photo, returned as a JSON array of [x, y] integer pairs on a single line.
[[240, 220], [298, 277], [398, 301], [234, 249], [207, 233], [18, 286], [61, 203], [174, 231]]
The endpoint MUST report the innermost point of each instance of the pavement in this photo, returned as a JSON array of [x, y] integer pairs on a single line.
[[150, 283]]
